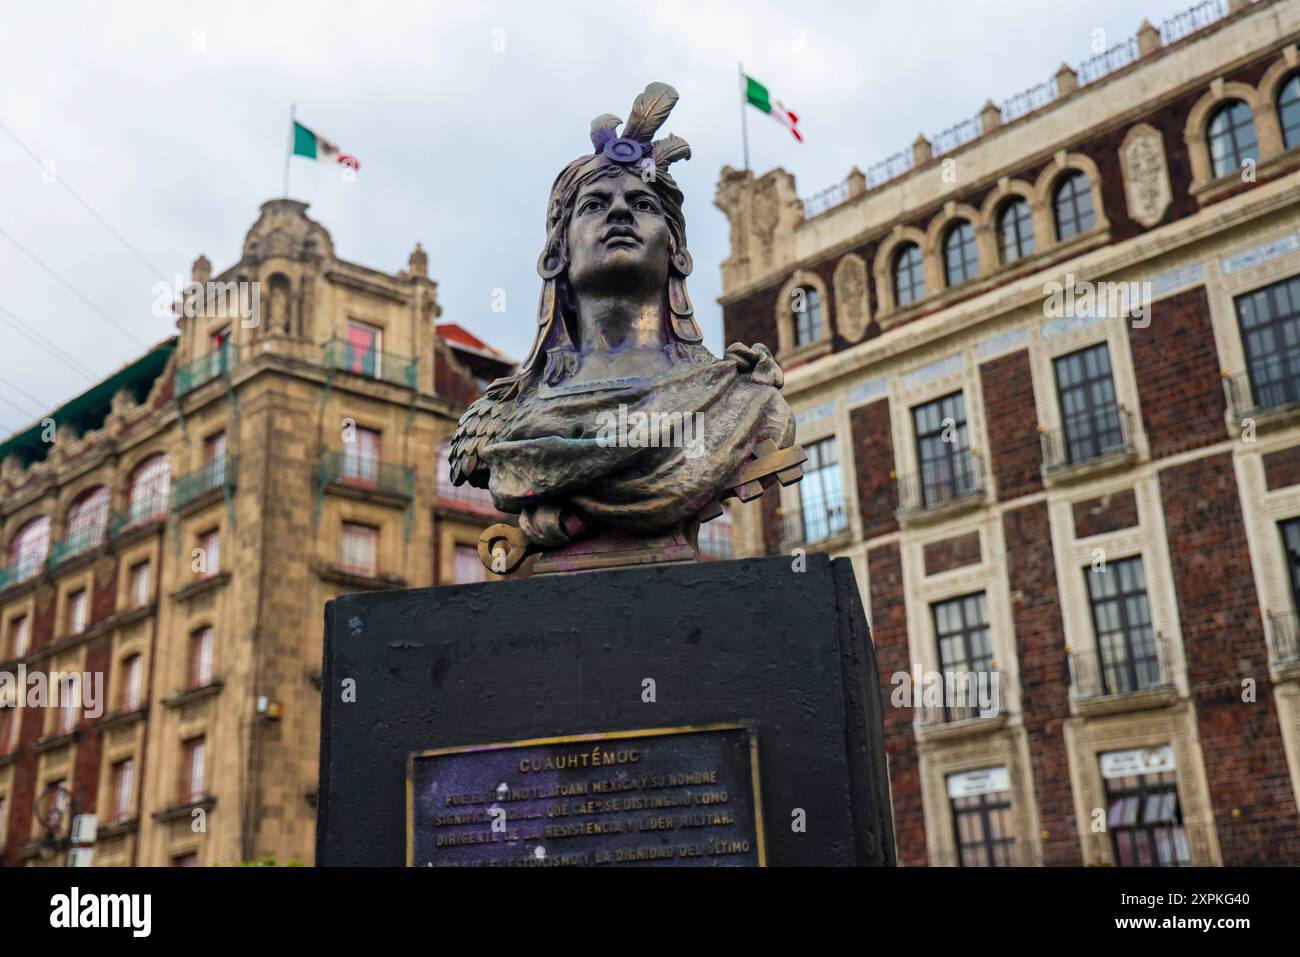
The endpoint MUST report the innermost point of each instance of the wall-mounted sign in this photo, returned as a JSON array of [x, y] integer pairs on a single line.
[[983, 781], [1122, 764]]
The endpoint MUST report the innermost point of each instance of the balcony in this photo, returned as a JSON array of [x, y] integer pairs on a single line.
[[215, 364], [1090, 443], [370, 363], [1270, 389], [29, 566], [971, 702], [143, 512], [816, 520], [81, 541], [217, 474], [942, 487], [1132, 678], [367, 476], [1284, 640]]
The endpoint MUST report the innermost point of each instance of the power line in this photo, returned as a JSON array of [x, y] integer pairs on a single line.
[[39, 402], [77, 292], [75, 195], [54, 350]]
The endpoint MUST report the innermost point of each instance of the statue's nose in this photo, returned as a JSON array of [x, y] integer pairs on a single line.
[[618, 208]]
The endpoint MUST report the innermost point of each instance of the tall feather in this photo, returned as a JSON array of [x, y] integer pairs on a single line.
[[603, 130], [669, 150], [649, 110]]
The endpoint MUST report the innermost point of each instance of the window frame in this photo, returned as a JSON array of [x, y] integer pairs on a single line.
[[1105, 429], [1140, 792], [823, 462], [1023, 228], [1226, 109], [1131, 665], [915, 267], [957, 463], [997, 851], [1080, 186], [963, 257]]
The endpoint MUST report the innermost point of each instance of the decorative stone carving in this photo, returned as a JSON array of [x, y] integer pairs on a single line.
[[1146, 175], [852, 309], [764, 213]]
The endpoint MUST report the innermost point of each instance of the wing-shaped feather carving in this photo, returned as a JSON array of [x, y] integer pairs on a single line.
[[669, 150], [603, 130], [649, 111], [485, 419]]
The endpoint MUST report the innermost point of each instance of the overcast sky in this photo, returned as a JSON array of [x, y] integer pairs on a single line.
[[170, 120]]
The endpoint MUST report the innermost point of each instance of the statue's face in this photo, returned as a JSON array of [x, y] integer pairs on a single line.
[[618, 236]]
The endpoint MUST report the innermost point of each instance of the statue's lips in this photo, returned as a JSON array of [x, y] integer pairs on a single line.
[[622, 236]]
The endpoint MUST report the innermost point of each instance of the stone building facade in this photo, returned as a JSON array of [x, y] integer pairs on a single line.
[[180, 526], [1047, 369]]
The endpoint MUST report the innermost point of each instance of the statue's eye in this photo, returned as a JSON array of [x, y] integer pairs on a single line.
[[647, 205], [589, 205]]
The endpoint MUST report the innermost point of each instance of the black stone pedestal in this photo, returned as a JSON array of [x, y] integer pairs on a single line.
[[784, 654]]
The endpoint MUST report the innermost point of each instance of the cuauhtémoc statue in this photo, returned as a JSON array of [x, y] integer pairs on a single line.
[[617, 342]]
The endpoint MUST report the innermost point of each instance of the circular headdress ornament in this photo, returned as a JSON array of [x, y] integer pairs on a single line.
[[624, 150]]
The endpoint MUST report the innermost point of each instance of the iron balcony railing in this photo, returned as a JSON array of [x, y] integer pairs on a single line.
[[1138, 665], [1088, 438], [1284, 638], [816, 520], [139, 513], [1268, 384], [367, 472], [1190, 21], [966, 696], [21, 570], [216, 363], [949, 479], [831, 196], [370, 363], [219, 473], [82, 540]]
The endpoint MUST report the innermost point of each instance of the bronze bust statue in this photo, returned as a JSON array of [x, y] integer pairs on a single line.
[[573, 441]]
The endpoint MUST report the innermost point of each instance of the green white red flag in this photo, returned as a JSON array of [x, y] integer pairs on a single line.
[[758, 96]]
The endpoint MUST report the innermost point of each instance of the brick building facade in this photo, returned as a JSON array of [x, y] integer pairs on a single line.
[[179, 530], [1050, 360]]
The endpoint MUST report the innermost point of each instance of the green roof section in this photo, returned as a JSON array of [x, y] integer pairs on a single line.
[[88, 410]]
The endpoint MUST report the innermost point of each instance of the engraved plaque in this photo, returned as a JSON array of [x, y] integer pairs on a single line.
[[666, 796]]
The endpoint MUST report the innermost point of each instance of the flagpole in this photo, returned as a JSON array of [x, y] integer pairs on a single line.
[[288, 152], [744, 124]]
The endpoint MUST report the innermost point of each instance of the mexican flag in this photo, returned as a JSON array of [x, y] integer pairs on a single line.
[[757, 95], [308, 144]]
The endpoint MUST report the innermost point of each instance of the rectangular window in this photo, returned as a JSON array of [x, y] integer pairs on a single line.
[[69, 689], [123, 775], [201, 643], [360, 546], [468, 567], [8, 726], [214, 460], [1143, 815], [1090, 414], [1270, 335], [361, 458], [210, 543], [1284, 626], [192, 770], [365, 348], [821, 493], [188, 859], [78, 608], [19, 636], [943, 449], [1128, 659], [981, 816], [961, 627], [140, 584], [132, 683]]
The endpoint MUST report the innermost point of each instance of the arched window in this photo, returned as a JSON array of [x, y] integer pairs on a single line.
[[1015, 230], [1288, 111], [30, 546], [909, 275], [960, 260], [149, 484], [1232, 137], [1072, 203], [806, 311], [87, 520]]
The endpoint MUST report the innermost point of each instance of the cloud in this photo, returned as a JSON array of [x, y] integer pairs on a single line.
[[170, 119]]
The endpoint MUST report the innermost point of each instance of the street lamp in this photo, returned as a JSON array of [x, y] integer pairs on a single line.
[[53, 807]]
